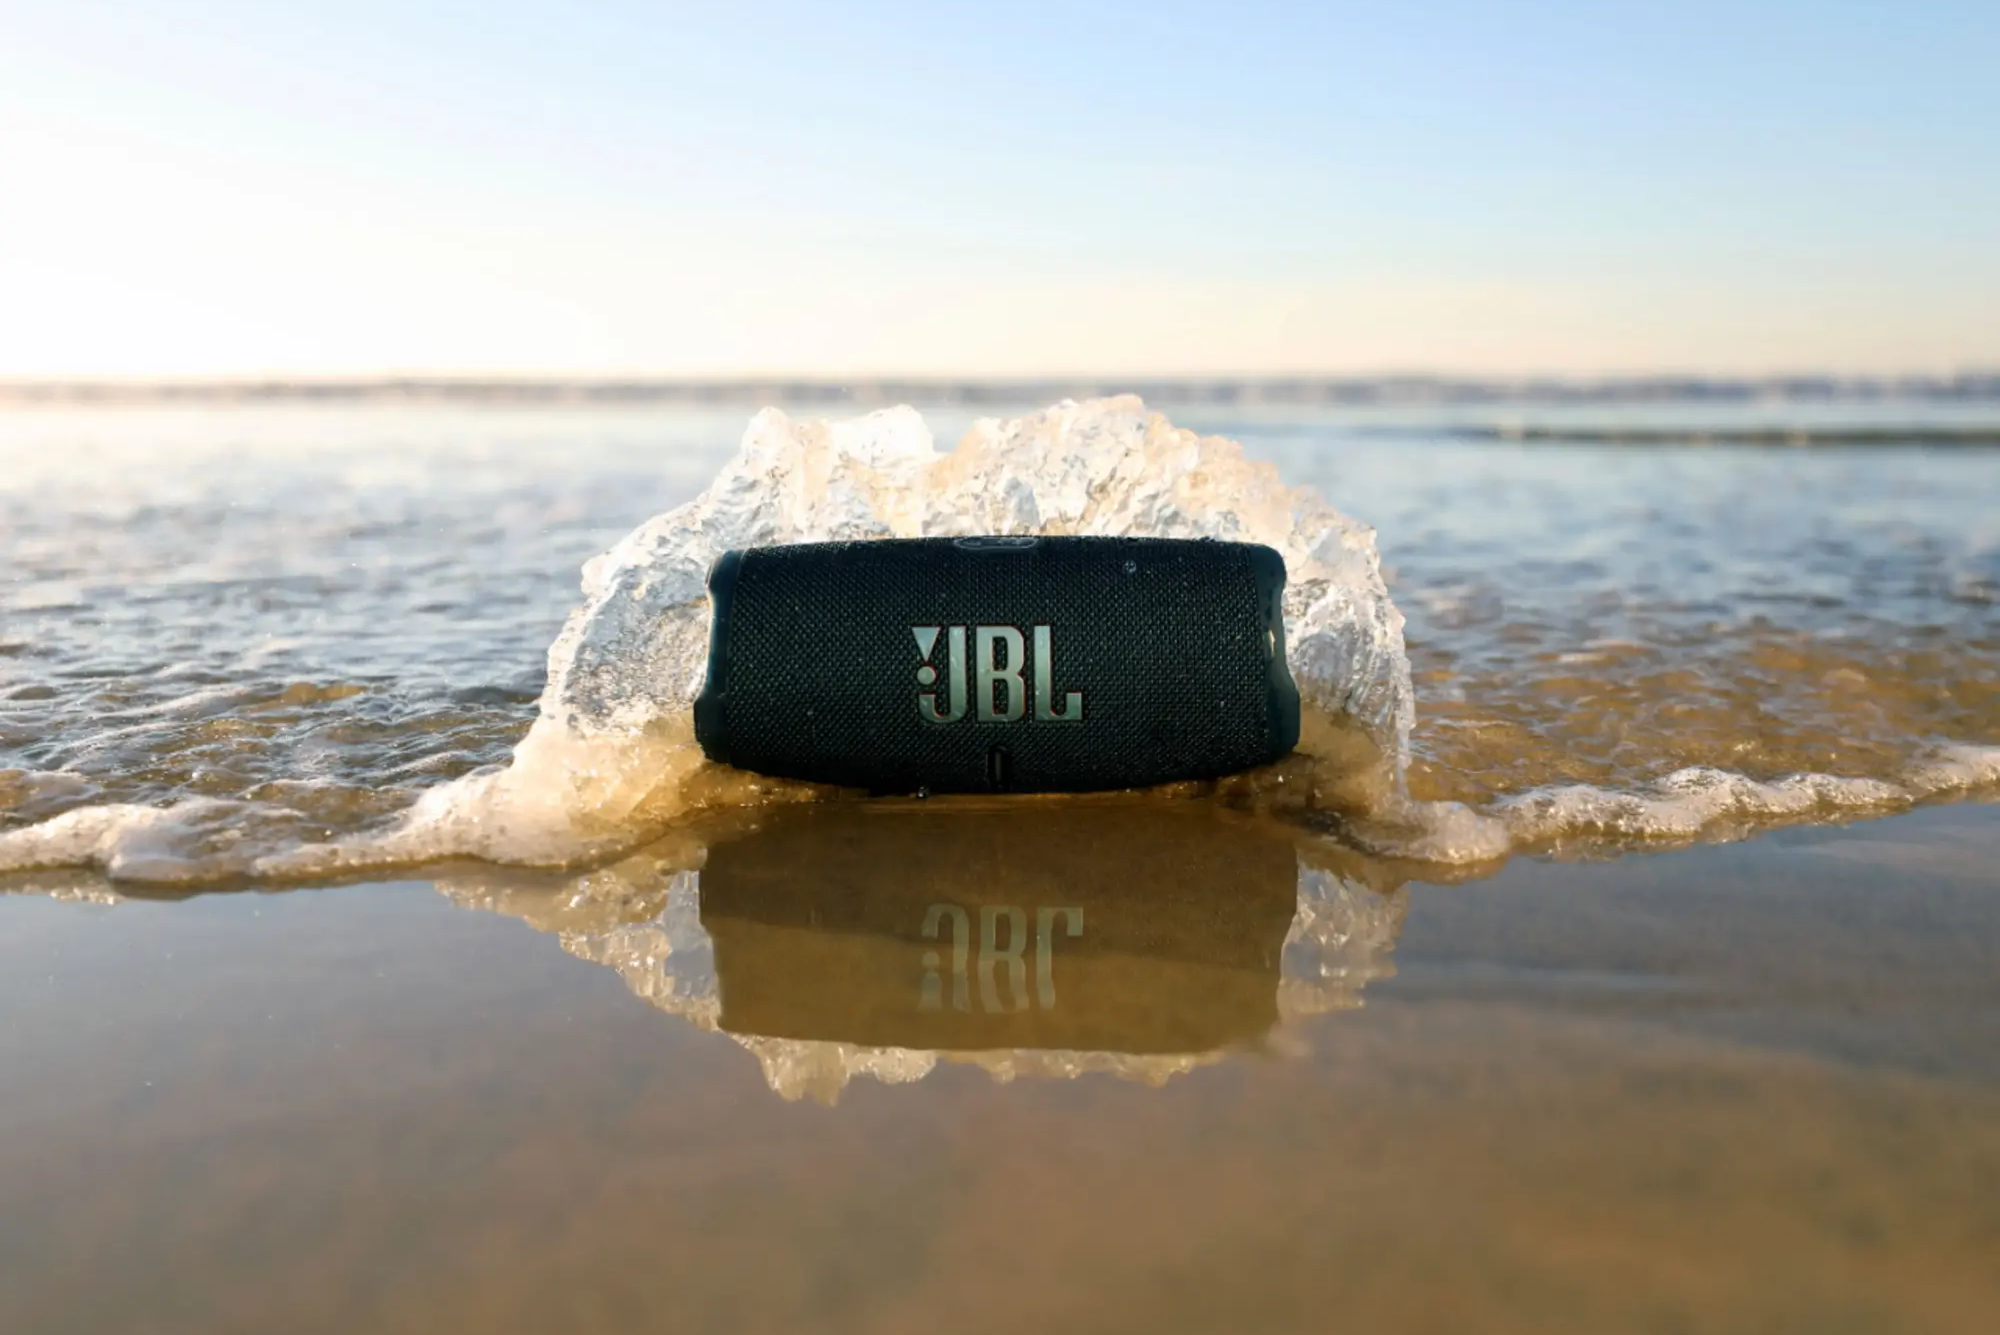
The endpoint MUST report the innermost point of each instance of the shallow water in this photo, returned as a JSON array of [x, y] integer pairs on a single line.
[[1187, 1062], [314, 615], [1607, 615]]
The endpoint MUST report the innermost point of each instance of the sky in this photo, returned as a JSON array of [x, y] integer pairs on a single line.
[[225, 188]]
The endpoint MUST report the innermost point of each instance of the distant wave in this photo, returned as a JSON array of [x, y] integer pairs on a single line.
[[1972, 437], [1277, 391]]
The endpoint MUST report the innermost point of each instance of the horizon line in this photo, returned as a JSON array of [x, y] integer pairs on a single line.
[[735, 390]]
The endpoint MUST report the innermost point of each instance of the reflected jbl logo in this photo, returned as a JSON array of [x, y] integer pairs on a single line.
[[993, 958], [995, 684]]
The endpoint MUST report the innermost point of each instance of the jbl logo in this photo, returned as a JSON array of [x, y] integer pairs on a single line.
[[994, 958], [999, 658]]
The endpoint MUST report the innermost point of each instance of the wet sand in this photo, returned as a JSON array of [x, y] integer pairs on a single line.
[[1748, 1086]]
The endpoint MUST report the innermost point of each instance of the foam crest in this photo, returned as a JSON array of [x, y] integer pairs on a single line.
[[1702, 801], [637, 650], [201, 839]]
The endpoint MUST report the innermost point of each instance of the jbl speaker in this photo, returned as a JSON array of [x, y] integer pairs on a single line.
[[999, 663]]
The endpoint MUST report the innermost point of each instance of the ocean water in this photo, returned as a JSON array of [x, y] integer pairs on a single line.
[[248, 641], [360, 969]]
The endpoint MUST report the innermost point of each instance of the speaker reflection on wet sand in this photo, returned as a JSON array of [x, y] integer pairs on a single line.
[[1119, 927], [1029, 937]]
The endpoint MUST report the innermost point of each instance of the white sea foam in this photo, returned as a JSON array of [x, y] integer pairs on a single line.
[[1690, 802], [196, 840]]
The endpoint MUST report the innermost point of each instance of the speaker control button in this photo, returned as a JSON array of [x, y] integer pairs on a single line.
[[997, 544]]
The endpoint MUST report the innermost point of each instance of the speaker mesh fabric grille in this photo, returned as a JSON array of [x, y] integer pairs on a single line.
[[1166, 640]]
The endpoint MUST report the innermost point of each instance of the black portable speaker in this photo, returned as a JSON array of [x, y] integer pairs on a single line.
[[998, 664]]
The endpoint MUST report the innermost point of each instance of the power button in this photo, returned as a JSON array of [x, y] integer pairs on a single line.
[[997, 544]]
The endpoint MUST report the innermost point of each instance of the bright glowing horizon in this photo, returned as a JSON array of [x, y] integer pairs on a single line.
[[310, 190]]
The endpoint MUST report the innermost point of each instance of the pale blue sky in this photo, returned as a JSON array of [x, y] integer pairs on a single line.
[[227, 187]]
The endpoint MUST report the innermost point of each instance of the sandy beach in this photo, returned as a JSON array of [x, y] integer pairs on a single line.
[[1740, 1087]]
